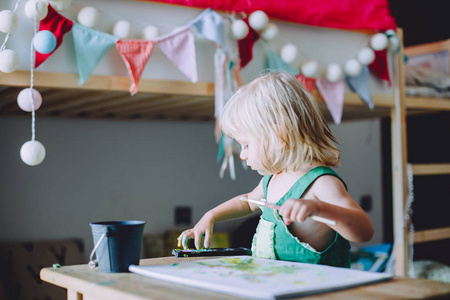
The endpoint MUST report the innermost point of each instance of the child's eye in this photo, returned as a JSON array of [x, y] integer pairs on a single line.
[[245, 147]]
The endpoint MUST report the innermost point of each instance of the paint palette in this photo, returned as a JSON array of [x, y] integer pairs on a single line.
[[211, 252]]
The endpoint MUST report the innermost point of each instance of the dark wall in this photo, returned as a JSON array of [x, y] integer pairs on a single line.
[[423, 21]]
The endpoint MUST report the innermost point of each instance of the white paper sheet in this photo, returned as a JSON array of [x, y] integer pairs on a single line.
[[259, 278]]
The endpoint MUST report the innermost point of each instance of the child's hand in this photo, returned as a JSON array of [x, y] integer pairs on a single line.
[[204, 227], [298, 210]]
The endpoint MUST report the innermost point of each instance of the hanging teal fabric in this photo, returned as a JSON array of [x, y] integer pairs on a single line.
[[90, 47]]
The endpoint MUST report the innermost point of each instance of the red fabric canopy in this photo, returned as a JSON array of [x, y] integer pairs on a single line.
[[344, 14]]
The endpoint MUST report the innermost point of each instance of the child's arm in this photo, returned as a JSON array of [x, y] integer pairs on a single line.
[[229, 210], [332, 201]]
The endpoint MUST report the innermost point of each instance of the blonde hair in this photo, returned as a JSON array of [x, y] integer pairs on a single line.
[[277, 110]]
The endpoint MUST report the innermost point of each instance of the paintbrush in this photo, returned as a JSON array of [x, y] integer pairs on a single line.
[[277, 207]]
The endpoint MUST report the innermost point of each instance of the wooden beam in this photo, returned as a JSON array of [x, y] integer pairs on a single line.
[[21, 78], [431, 169], [431, 235]]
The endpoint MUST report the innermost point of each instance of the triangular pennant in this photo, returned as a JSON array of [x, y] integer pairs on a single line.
[[57, 24], [360, 85], [179, 47], [135, 54], [274, 62], [308, 83], [380, 66], [90, 47], [246, 45], [333, 94], [210, 25]]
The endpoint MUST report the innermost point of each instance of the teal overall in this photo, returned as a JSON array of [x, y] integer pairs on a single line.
[[274, 240]]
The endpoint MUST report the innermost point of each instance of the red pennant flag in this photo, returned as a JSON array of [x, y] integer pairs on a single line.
[[246, 45], [57, 24], [308, 83], [135, 54], [380, 66]]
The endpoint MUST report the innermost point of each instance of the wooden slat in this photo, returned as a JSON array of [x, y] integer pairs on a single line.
[[428, 48], [105, 82], [431, 169], [431, 235], [427, 103]]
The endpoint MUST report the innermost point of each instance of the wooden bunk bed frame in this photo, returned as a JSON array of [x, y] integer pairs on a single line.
[[433, 104], [107, 97]]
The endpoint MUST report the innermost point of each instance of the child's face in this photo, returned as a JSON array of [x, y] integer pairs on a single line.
[[250, 151]]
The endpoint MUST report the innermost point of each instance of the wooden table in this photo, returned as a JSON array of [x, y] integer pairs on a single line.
[[86, 284]]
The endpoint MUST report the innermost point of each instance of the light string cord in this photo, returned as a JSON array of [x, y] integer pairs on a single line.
[[33, 114], [7, 35]]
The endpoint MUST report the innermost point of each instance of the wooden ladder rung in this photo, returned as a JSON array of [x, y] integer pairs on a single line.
[[431, 235], [431, 169]]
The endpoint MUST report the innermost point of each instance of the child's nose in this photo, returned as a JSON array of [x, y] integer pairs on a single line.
[[243, 155]]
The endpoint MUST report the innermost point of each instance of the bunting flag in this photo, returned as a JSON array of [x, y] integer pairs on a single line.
[[90, 47], [57, 24], [380, 66], [210, 25], [179, 47], [308, 83], [274, 62], [333, 94], [135, 54], [246, 45], [360, 85]]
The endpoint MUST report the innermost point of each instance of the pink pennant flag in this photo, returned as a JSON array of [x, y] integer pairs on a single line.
[[58, 25], [135, 54], [380, 66], [333, 94], [179, 47]]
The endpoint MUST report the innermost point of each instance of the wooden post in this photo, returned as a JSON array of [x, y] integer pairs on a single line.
[[399, 161]]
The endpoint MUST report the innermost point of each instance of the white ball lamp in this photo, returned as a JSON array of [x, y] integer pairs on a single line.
[[9, 61], [8, 21], [352, 67], [239, 29], [394, 41], [258, 20], [39, 7], [32, 153], [379, 41], [288, 53], [270, 32], [60, 5], [25, 99], [122, 29], [309, 69], [366, 56], [44, 41], [333, 73], [150, 33], [88, 16]]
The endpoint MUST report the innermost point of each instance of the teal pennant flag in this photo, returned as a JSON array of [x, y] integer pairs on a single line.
[[90, 47], [274, 62], [360, 85], [210, 25]]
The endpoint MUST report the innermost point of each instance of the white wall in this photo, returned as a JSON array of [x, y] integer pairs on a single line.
[[107, 170], [104, 170]]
